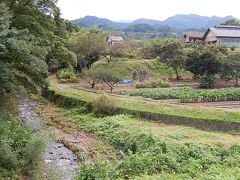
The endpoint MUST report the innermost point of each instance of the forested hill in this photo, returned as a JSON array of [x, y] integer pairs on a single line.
[[32, 37], [179, 22]]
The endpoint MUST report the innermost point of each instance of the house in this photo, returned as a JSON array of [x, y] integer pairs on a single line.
[[114, 39], [193, 37], [223, 35]]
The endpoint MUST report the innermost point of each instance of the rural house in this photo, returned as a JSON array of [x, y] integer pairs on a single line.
[[220, 35], [114, 39], [223, 35]]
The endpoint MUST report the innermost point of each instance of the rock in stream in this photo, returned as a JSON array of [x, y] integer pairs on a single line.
[[56, 154]]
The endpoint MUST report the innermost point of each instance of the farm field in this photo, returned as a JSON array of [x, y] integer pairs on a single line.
[[188, 94], [146, 105]]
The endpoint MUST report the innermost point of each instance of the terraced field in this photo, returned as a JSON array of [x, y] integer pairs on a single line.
[[156, 110]]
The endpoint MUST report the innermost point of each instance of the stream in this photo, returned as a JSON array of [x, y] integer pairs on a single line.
[[56, 154]]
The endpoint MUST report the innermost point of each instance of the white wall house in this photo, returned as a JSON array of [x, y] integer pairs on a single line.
[[223, 35]]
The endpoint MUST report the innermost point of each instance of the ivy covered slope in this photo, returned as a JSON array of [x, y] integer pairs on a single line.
[[132, 104]]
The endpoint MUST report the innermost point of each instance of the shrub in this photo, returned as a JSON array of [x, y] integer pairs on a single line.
[[66, 75], [208, 81], [20, 153], [152, 84], [104, 105], [141, 75], [91, 77]]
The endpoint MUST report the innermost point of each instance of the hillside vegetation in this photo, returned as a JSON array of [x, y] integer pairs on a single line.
[[149, 148], [126, 68]]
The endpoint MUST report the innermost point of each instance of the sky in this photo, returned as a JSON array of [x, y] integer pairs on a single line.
[[153, 9]]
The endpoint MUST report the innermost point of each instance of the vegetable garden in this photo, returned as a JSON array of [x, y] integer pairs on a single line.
[[188, 94]]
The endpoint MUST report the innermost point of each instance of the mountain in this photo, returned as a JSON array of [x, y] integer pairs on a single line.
[[101, 22], [179, 22], [182, 21], [147, 21]]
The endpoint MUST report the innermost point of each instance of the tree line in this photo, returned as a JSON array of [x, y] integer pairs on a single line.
[[32, 44]]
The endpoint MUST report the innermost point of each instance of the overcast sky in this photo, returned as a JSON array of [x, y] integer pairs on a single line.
[[153, 9]]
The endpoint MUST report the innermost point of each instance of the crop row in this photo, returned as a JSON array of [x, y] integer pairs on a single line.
[[188, 94], [213, 95]]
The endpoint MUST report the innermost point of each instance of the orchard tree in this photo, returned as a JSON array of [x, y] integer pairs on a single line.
[[88, 45], [91, 76], [110, 51], [231, 67], [109, 77], [202, 63], [172, 53], [151, 48], [193, 62]]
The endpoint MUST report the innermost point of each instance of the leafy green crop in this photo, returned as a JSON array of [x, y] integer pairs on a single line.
[[188, 94]]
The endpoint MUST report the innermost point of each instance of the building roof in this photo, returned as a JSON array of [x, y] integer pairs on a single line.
[[198, 36], [115, 38], [224, 31]]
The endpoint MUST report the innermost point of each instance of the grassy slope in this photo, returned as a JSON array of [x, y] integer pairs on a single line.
[[127, 67], [143, 105], [173, 136]]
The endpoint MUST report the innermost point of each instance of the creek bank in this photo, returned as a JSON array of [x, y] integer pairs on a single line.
[[56, 154]]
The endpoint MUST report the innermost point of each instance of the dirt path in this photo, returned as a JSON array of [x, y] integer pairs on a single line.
[[56, 154]]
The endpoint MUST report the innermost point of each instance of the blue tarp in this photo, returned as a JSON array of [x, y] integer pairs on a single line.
[[126, 81]]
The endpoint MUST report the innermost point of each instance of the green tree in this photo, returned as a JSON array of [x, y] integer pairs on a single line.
[[232, 22], [91, 76], [231, 67], [42, 19], [151, 48], [59, 58], [116, 50], [88, 45], [172, 54], [109, 77], [21, 59], [202, 62]]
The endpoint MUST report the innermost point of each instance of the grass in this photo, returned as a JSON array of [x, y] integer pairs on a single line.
[[173, 134], [20, 148], [144, 105], [176, 134], [127, 67], [159, 151]]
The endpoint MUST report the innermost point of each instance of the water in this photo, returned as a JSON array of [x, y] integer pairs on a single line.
[[56, 154]]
